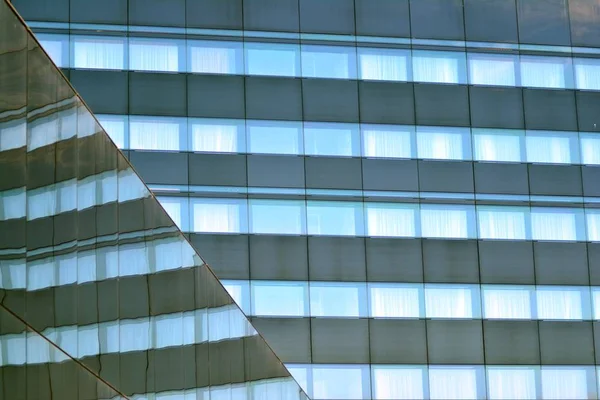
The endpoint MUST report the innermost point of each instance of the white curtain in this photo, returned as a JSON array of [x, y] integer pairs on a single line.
[[501, 224], [385, 65], [593, 225], [453, 383], [66, 339], [154, 135], [385, 142], [509, 303], [133, 259], [329, 140], [276, 138], [511, 383], [109, 187], [130, 187], [212, 216], [272, 59], [546, 72], [440, 145], [86, 192], [328, 62], [448, 302], [168, 254], [41, 202], [12, 204], [587, 73], [215, 138], [13, 135], [268, 389], [226, 322], [43, 132], [590, 148], [215, 60], [444, 223], [99, 53], [282, 217], [115, 129], [553, 225], [490, 69], [390, 220], [38, 349], [157, 56], [66, 266], [336, 299], [108, 333], [437, 67], [548, 149], [392, 383], [557, 304], [564, 383], [173, 207], [66, 192], [135, 335], [41, 274], [13, 274], [494, 146], [88, 341], [168, 330], [54, 48], [596, 304], [329, 218], [279, 299], [337, 383], [396, 301], [86, 266], [13, 349]]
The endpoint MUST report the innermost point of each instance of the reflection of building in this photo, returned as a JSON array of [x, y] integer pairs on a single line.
[[402, 193], [101, 296]]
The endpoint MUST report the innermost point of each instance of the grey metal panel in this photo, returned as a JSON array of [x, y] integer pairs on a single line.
[[388, 174], [279, 257], [336, 258], [333, 173], [271, 15], [104, 91], [336, 341], [227, 255], [215, 96], [596, 328], [157, 12], [288, 337], [394, 260], [594, 262], [590, 176], [498, 178], [275, 171], [557, 180], [445, 176], [437, 19], [398, 341], [161, 167], [330, 100], [331, 16], [584, 16], [451, 261], [554, 335], [170, 291], [455, 341], [273, 98], [219, 14], [544, 23], [446, 105], [559, 263], [43, 10], [157, 94], [99, 12], [133, 297], [588, 104], [217, 169], [509, 262], [491, 21], [382, 18], [386, 102], [511, 342], [550, 109], [495, 107]]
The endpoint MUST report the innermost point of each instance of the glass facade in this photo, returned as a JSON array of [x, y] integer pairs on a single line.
[[101, 295], [402, 195]]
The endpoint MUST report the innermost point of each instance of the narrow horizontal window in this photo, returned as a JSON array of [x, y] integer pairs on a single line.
[[391, 220], [178, 210], [280, 299], [399, 382], [335, 218], [13, 134], [395, 301], [439, 67], [338, 299], [281, 217], [331, 139], [57, 48], [590, 148], [556, 224], [217, 136], [275, 137], [154, 55], [492, 69], [328, 62], [593, 225], [455, 382], [116, 128], [219, 215], [213, 57], [587, 73], [502, 222], [497, 145], [443, 143], [546, 72], [387, 141], [510, 302], [341, 382], [99, 52], [155, 134], [567, 383], [383, 64], [446, 221], [273, 59], [551, 147], [447, 301], [508, 383], [562, 303]]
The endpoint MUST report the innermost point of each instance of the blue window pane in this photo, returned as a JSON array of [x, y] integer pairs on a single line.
[[447, 221], [156, 55], [439, 67], [388, 141], [383, 64], [157, 133], [282, 217], [217, 136], [391, 220], [336, 299], [587, 73], [335, 218], [275, 137], [498, 145], [215, 57], [280, 298], [57, 47], [331, 139], [546, 72], [219, 215], [443, 143], [552, 147], [565, 224], [274, 59], [328, 62], [503, 222], [492, 69], [99, 52]]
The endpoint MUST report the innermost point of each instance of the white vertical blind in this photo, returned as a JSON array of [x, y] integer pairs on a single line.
[[215, 57], [276, 137], [153, 55], [564, 383], [437, 67], [13, 204], [492, 69], [553, 224], [545, 72], [154, 134], [559, 303], [398, 382], [496, 145], [13, 135], [333, 218], [100, 53], [55, 49], [587, 73], [173, 207], [441, 143], [505, 383], [330, 139], [114, 126], [590, 148], [447, 383], [446, 301], [390, 220], [43, 132], [548, 149], [336, 299], [218, 216], [221, 138], [506, 303], [277, 217], [386, 142], [444, 222], [501, 223], [383, 64], [593, 225], [339, 382], [328, 62], [274, 59], [395, 301]]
